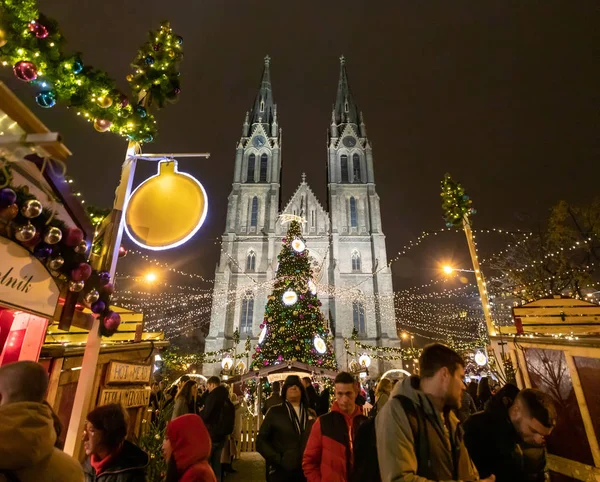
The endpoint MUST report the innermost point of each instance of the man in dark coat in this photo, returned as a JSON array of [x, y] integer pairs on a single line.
[[274, 399], [211, 414], [281, 437], [311, 393], [507, 439]]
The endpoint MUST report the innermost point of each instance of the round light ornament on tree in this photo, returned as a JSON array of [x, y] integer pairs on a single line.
[[320, 344], [102, 125], [166, 210], [32, 208], [52, 235], [298, 245], [262, 335], [56, 263], [25, 233], [312, 287], [364, 360], [481, 359], [105, 102], [289, 298], [227, 363], [25, 71]]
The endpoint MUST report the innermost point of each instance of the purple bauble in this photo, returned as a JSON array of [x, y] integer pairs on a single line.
[[104, 277], [7, 197], [123, 101], [112, 321], [82, 272], [73, 237], [25, 70], [42, 252], [108, 288], [98, 307]]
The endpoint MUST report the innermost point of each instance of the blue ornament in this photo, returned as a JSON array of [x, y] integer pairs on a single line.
[[149, 60], [148, 138], [179, 39], [46, 99], [42, 252], [77, 66], [141, 111]]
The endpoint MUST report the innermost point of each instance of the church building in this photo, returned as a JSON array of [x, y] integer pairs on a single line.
[[345, 236]]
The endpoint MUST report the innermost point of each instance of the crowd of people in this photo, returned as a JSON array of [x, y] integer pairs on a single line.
[[430, 427]]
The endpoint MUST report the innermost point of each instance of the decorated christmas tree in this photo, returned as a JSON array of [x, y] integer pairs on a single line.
[[294, 327]]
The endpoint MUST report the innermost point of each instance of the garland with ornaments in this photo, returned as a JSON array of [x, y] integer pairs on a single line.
[[455, 202], [64, 251], [32, 45]]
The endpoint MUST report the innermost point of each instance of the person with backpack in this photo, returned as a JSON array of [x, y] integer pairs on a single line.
[[219, 416], [418, 435]]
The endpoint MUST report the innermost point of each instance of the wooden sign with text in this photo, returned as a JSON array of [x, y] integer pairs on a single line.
[[128, 397], [119, 372]]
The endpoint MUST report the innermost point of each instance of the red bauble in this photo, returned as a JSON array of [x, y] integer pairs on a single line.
[[9, 213], [73, 237], [25, 70], [122, 252], [38, 29], [108, 288], [82, 272]]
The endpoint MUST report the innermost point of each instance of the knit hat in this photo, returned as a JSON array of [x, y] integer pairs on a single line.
[[294, 380]]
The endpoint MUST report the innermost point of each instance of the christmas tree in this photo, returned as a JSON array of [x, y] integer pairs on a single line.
[[294, 327]]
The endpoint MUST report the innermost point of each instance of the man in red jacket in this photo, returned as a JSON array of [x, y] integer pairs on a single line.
[[329, 453]]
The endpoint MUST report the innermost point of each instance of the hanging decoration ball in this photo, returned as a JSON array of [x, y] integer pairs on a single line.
[[25, 70], [123, 101], [77, 66], [149, 60], [364, 360], [289, 298], [105, 101], [9, 213], [76, 286], [112, 321], [141, 111], [42, 252], [298, 245], [319, 344], [81, 247], [156, 47], [52, 235], [177, 90], [108, 288], [148, 138], [82, 272], [56, 263], [91, 297], [3, 40], [73, 237], [104, 277], [171, 54], [46, 99], [179, 39], [39, 30], [102, 125], [122, 252], [129, 77], [480, 358], [98, 307], [25, 233], [7, 197], [32, 208]]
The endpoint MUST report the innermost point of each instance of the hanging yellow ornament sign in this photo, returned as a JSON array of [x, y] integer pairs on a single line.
[[166, 210]]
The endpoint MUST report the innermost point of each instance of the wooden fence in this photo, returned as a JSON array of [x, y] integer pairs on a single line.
[[249, 433]]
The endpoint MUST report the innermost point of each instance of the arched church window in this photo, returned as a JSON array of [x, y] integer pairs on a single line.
[[251, 163], [356, 168], [312, 219], [262, 105], [344, 166], [353, 214], [254, 212], [251, 261], [358, 316], [346, 106], [356, 260], [247, 314], [264, 162]]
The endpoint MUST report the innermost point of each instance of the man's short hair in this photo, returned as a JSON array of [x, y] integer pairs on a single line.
[[184, 378], [23, 381], [540, 406], [112, 421], [344, 377], [307, 380], [276, 387], [436, 356], [214, 380]]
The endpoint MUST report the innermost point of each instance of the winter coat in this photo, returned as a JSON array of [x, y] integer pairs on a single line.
[[274, 399], [191, 448], [281, 446], [467, 407], [313, 397], [442, 453], [212, 412], [128, 465], [381, 401], [27, 451], [509, 459], [181, 407], [329, 456]]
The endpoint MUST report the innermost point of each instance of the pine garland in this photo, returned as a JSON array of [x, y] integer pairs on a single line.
[[455, 202]]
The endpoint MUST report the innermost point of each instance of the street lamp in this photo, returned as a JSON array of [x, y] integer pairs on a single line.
[[150, 277], [450, 269]]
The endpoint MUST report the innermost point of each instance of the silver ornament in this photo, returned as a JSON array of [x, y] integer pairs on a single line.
[[52, 235], [81, 247], [91, 297], [56, 263], [32, 208], [76, 285], [25, 233]]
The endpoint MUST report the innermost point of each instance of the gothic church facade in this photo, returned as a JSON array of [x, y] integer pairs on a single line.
[[346, 240]]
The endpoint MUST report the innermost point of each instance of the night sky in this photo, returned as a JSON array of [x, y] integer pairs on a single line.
[[502, 94]]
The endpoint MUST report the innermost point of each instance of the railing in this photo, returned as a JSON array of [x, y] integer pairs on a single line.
[[249, 433]]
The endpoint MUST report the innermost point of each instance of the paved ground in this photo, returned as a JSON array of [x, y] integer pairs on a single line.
[[251, 467]]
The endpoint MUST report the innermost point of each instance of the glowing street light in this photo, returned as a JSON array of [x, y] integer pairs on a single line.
[[150, 277], [448, 269]]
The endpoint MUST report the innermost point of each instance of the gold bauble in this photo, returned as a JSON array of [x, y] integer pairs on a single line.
[[104, 102], [166, 210], [3, 40], [129, 78]]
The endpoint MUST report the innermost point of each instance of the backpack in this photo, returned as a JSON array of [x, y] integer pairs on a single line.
[[226, 418], [366, 463]]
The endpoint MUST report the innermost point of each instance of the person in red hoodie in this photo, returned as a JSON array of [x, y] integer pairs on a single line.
[[329, 454], [186, 449]]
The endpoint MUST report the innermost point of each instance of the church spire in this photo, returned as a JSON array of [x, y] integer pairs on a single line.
[[345, 109], [262, 112]]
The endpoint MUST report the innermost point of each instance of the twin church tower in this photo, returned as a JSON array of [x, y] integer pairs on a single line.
[[347, 243]]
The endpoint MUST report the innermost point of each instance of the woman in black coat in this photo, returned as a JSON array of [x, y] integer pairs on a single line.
[[282, 435]]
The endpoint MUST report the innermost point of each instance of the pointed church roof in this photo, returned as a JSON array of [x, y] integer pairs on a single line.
[[345, 110], [303, 188], [264, 98]]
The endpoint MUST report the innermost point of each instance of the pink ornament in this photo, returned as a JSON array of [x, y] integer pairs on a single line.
[[301, 317], [266, 363], [82, 272], [25, 71], [38, 29], [112, 321], [108, 288], [73, 237]]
